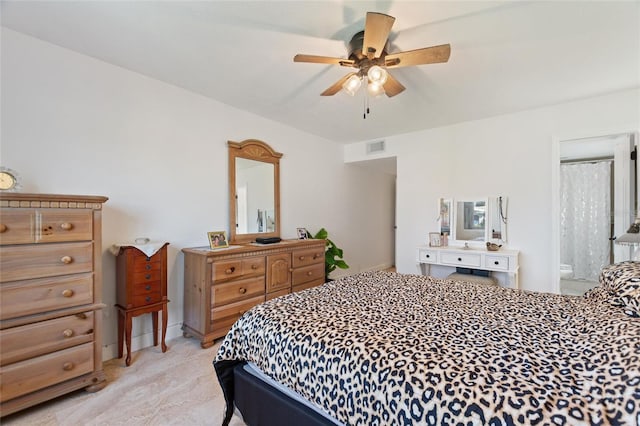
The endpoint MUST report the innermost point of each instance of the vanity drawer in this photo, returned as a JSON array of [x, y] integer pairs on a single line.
[[17, 226], [59, 225], [27, 376], [427, 256], [46, 260], [497, 262], [222, 294], [28, 341], [308, 273], [228, 270], [459, 259], [45, 294], [307, 257]]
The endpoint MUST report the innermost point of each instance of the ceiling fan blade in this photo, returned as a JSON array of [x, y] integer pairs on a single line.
[[427, 55], [392, 86], [323, 60], [337, 86], [376, 32]]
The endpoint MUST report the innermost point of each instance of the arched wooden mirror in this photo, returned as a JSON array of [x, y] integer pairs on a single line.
[[254, 191]]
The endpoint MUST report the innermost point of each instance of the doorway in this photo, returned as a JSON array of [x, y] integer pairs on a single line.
[[594, 189]]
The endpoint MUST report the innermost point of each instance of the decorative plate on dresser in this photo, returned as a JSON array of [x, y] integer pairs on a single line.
[[50, 297]]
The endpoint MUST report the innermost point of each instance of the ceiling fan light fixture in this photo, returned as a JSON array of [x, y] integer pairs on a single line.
[[352, 85], [377, 75], [375, 89]]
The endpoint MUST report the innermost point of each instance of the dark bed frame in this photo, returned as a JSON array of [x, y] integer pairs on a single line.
[[263, 405]]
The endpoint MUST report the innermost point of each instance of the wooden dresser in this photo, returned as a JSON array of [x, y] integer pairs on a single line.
[[141, 288], [50, 297], [220, 285]]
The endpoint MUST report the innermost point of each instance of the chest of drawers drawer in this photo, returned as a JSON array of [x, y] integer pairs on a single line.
[[307, 257], [145, 288], [308, 273], [27, 341], [224, 316], [23, 377], [222, 294], [46, 260], [40, 295], [17, 226], [234, 269], [64, 225], [458, 259]]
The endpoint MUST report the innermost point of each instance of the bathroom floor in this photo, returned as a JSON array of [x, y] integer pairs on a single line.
[[576, 287]]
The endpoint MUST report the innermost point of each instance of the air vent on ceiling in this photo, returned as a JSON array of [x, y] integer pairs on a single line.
[[375, 147]]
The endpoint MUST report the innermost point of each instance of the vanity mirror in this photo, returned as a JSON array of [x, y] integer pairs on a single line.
[[470, 220], [254, 191], [474, 220]]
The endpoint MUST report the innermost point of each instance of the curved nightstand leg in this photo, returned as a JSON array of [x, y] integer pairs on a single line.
[[127, 337], [165, 316]]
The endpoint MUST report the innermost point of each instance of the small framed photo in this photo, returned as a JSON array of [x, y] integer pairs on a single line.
[[434, 239], [217, 239], [303, 234]]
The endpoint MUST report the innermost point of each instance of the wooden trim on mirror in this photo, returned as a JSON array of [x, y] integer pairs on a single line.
[[252, 149]]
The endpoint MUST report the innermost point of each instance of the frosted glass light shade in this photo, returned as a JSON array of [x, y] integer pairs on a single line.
[[377, 75], [375, 89], [352, 85]]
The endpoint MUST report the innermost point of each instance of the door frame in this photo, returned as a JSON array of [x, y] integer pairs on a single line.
[[555, 191]]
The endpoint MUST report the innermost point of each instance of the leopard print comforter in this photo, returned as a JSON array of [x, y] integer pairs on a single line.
[[382, 348]]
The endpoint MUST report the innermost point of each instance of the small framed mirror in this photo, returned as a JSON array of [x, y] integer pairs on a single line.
[[470, 220], [498, 219], [254, 191], [445, 218]]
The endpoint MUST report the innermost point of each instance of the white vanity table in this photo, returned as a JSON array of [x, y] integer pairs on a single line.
[[505, 261]]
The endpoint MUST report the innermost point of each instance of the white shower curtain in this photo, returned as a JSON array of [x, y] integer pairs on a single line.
[[585, 217]]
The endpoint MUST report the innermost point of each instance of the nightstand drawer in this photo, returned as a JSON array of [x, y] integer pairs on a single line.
[[27, 376], [224, 271], [34, 296], [460, 259], [46, 260], [44, 337], [146, 287], [497, 262], [308, 273], [308, 257], [222, 294], [65, 225], [17, 226]]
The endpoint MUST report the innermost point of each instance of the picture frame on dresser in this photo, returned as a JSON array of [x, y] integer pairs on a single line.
[[217, 239], [303, 234], [434, 239]]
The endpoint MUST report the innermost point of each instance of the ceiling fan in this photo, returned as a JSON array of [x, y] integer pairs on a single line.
[[368, 55]]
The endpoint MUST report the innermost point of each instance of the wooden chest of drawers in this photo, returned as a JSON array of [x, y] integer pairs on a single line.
[[220, 285], [50, 297], [141, 288]]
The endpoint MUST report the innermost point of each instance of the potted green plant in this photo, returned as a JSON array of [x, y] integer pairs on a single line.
[[332, 254]]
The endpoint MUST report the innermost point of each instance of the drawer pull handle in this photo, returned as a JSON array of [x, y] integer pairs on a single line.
[[254, 266], [230, 270], [147, 287], [147, 299], [148, 259], [301, 258], [66, 260], [310, 273], [67, 292], [68, 366], [148, 267], [3, 228], [459, 259], [242, 290], [148, 276], [315, 256], [66, 226], [428, 256], [67, 333]]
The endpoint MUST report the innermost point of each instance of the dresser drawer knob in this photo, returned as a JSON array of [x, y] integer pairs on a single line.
[[66, 226], [3, 228], [67, 333], [67, 366], [254, 266], [315, 256], [459, 259], [427, 256], [147, 287], [147, 299], [310, 273], [148, 267], [242, 290], [496, 262], [230, 270], [67, 292], [301, 258], [147, 277], [66, 260]]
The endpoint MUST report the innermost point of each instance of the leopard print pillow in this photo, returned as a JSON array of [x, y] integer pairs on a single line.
[[621, 283]]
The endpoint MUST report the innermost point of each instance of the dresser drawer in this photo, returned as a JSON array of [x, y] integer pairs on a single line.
[[40, 295], [60, 225], [149, 287], [224, 317], [458, 259], [497, 262], [222, 294], [17, 226], [253, 266], [227, 270], [308, 257], [428, 256], [46, 260], [27, 376], [308, 273], [27, 341], [146, 299], [145, 264], [146, 276], [308, 284]]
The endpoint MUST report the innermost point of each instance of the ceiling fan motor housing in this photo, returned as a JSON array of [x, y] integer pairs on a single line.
[[361, 60]]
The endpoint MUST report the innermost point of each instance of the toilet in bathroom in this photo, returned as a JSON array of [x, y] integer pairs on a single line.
[[566, 271]]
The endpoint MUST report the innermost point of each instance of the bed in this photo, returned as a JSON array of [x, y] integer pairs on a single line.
[[381, 348]]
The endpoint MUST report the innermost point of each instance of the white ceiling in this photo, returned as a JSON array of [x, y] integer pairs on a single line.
[[505, 56]]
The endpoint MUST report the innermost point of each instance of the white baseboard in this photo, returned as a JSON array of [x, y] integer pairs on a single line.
[[142, 341]]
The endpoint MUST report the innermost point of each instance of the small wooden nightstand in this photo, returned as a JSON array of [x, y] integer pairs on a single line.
[[141, 285]]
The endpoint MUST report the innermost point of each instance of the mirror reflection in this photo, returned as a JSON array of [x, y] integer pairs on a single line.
[[255, 195], [498, 221], [471, 220], [445, 216]]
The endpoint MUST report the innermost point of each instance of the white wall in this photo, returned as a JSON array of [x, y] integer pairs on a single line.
[[75, 125], [509, 155]]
